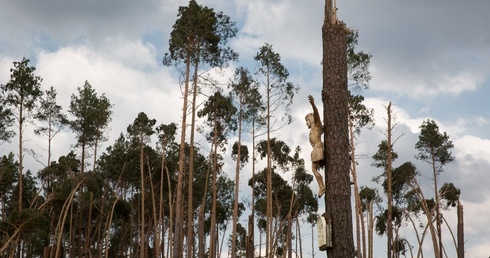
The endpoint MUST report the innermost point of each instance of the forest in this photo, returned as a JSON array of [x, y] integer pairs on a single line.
[[158, 191]]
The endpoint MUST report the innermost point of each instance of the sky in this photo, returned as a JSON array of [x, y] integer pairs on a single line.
[[431, 59]]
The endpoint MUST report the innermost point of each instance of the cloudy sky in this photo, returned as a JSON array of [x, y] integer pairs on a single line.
[[430, 58]]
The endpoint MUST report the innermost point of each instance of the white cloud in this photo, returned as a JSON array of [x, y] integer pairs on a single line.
[[420, 50]]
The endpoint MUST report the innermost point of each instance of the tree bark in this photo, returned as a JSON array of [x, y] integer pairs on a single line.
[[460, 231], [336, 143]]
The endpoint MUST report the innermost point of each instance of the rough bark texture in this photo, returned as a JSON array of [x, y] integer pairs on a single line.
[[335, 101]]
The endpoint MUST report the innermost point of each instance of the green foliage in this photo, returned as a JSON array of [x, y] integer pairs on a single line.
[[278, 91], [49, 112], [279, 153], [6, 121], [401, 177], [245, 91], [357, 63], [450, 193], [22, 92], [166, 134], [220, 117], [141, 129], [368, 195], [382, 220], [434, 147], [243, 153], [92, 114], [199, 33], [381, 156], [8, 177], [359, 114]]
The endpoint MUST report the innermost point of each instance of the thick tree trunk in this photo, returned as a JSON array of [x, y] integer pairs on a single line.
[[337, 160]]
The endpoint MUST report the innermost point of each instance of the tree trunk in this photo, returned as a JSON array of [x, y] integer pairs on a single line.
[[250, 241], [237, 184], [337, 165], [370, 229], [190, 210], [268, 229], [177, 245], [390, 184], [358, 208], [213, 241], [142, 233], [460, 231]]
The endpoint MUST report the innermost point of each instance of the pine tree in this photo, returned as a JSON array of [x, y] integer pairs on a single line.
[[20, 96], [434, 148], [336, 115], [50, 114], [278, 96], [199, 36]]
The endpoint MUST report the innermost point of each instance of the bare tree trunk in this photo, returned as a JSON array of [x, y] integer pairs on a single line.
[[251, 219], [299, 237], [390, 184], [89, 224], [268, 230], [142, 173], [201, 243], [370, 229], [177, 245], [429, 215], [190, 210], [237, 183], [357, 199], [336, 114], [460, 231], [212, 241], [171, 218]]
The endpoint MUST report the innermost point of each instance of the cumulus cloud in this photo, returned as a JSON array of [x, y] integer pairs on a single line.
[[421, 50]]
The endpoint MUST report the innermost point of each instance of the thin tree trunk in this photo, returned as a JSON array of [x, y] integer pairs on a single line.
[[370, 229], [437, 208], [237, 182], [161, 211], [177, 246], [358, 207], [201, 237], [268, 230], [429, 215], [89, 223], [21, 156], [251, 220], [171, 219], [460, 231], [390, 184], [212, 241], [142, 173], [156, 230], [190, 210]]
